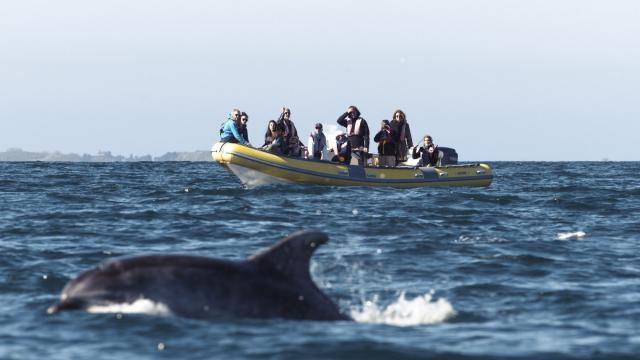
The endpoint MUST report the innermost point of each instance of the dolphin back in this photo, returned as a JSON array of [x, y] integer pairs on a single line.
[[291, 255], [273, 283]]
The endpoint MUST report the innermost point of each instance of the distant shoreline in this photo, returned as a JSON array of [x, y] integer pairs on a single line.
[[19, 155]]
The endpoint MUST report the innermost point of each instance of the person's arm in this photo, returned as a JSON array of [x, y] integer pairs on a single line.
[[434, 154], [416, 152], [342, 120], [236, 134], [365, 135], [378, 135], [245, 133], [407, 133]]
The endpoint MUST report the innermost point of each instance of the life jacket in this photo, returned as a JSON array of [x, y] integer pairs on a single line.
[[350, 127]]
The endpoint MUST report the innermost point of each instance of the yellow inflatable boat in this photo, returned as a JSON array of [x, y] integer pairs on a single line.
[[255, 167]]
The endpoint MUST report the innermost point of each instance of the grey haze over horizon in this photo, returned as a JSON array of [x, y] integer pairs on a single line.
[[496, 79]]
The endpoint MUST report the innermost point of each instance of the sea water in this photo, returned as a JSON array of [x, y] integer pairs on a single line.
[[544, 263]]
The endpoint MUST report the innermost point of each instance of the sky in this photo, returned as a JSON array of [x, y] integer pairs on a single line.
[[526, 80]]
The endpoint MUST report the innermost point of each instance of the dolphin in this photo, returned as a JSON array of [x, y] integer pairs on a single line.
[[274, 283]]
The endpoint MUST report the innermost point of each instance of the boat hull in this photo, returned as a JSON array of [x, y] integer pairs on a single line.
[[256, 167]]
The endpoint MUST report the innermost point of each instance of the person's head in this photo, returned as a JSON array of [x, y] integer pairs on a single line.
[[318, 127], [271, 127], [353, 112], [244, 118], [399, 115], [340, 136], [235, 115], [427, 140], [286, 113]]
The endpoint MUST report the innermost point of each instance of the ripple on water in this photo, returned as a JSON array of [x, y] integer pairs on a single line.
[[495, 255]]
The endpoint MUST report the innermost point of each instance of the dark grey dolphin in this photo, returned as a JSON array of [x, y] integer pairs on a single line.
[[272, 283]]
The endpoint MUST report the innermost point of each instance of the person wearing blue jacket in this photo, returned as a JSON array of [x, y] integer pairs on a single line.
[[230, 131]]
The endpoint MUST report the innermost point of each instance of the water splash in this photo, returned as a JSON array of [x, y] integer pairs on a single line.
[[420, 310], [140, 306], [571, 235]]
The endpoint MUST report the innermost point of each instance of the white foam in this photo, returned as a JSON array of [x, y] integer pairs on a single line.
[[418, 311], [571, 235], [140, 306], [252, 178]]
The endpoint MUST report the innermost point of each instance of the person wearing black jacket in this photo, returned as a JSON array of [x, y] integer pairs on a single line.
[[342, 153], [402, 134], [427, 153], [287, 126], [357, 132], [274, 139], [244, 119], [386, 145]]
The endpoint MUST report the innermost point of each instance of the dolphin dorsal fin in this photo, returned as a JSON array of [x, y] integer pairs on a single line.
[[290, 256]]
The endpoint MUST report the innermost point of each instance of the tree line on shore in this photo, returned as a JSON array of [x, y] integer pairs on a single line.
[[15, 154]]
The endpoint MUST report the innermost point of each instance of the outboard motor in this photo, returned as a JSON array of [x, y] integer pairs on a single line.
[[448, 156]]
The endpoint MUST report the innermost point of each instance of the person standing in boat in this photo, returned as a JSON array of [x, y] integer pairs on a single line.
[[317, 144], [287, 126], [402, 134], [427, 153], [386, 145], [357, 132], [343, 149], [230, 130], [244, 119]]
